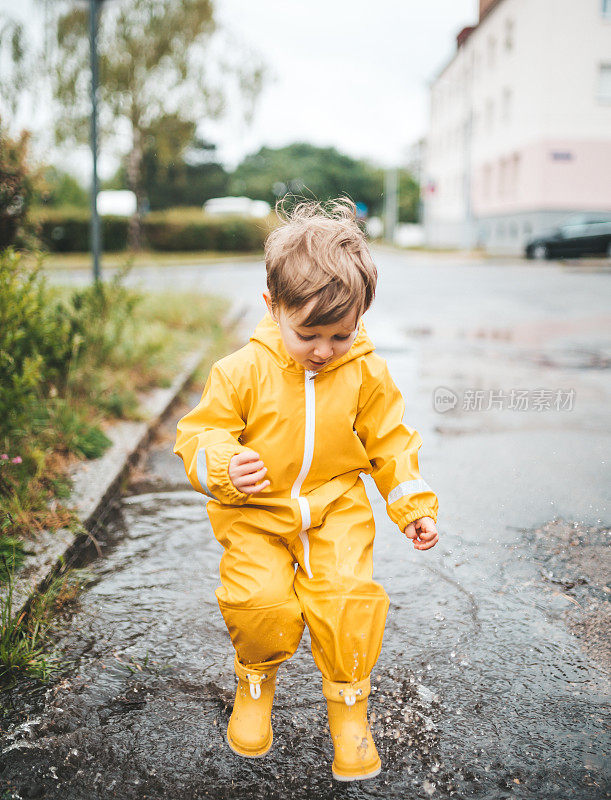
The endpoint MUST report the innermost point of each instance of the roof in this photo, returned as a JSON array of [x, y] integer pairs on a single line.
[[466, 32]]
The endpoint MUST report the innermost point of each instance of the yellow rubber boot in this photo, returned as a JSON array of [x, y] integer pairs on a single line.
[[356, 757], [249, 732]]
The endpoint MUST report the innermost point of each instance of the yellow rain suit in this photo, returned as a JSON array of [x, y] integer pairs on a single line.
[[316, 433]]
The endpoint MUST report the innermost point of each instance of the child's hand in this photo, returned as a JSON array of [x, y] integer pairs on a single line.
[[245, 470], [423, 532]]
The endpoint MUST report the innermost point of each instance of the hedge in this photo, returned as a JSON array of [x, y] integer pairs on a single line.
[[67, 231]]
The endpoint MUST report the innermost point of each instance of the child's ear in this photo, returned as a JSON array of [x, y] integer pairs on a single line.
[[268, 303]]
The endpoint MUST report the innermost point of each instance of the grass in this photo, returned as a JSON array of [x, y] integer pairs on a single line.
[[12, 555], [34, 495], [24, 634]]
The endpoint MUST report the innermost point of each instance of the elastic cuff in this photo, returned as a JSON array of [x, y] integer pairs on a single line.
[[343, 692], [219, 476], [417, 513], [243, 672]]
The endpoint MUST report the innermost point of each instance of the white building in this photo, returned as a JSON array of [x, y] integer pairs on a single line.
[[520, 124]]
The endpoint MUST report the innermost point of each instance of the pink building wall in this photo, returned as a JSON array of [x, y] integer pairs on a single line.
[[558, 174]]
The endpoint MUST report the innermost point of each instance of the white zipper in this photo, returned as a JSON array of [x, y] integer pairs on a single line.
[[308, 453]]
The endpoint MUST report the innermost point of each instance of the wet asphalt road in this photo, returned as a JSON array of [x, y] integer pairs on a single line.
[[494, 674]]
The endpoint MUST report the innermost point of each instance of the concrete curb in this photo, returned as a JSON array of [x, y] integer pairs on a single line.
[[95, 485]]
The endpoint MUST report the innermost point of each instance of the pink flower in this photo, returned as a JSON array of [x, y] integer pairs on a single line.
[[17, 460], [4, 456]]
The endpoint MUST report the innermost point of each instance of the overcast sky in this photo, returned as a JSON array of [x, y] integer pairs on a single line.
[[348, 73]]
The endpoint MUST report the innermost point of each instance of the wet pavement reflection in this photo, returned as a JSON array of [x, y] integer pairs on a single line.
[[478, 692], [493, 677]]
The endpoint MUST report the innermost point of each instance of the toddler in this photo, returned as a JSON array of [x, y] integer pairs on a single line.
[[278, 442]]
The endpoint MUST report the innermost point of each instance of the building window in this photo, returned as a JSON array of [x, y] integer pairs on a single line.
[[509, 34], [491, 51], [606, 8], [506, 105], [604, 82]]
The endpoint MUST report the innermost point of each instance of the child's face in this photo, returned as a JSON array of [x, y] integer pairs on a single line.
[[316, 346]]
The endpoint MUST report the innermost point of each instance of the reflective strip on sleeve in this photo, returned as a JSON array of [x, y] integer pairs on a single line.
[[202, 472], [406, 488]]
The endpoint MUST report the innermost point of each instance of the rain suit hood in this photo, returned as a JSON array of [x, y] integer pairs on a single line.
[[267, 334]]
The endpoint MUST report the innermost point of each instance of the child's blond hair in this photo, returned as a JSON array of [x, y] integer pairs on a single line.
[[320, 253]]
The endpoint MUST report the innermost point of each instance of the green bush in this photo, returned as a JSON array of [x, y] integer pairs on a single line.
[[67, 230], [175, 230], [241, 235], [75, 434], [49, 346], [37, 340], [172, 231]]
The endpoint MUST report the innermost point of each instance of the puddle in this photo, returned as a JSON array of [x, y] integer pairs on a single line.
[[480, 691]]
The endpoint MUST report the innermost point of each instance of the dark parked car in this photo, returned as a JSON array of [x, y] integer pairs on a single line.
[[581, 235]]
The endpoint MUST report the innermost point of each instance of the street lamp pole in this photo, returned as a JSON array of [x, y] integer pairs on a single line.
[[95, 219]]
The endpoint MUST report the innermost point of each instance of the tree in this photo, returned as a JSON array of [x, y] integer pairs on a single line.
[[15, 64], [176, 170], [304, 169], [409, 197], [16, 190], [157, 65], [187, 181], [58, 188]]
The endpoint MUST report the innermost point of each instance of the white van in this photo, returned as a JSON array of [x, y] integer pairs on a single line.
[[121, 203], [237, 206]]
